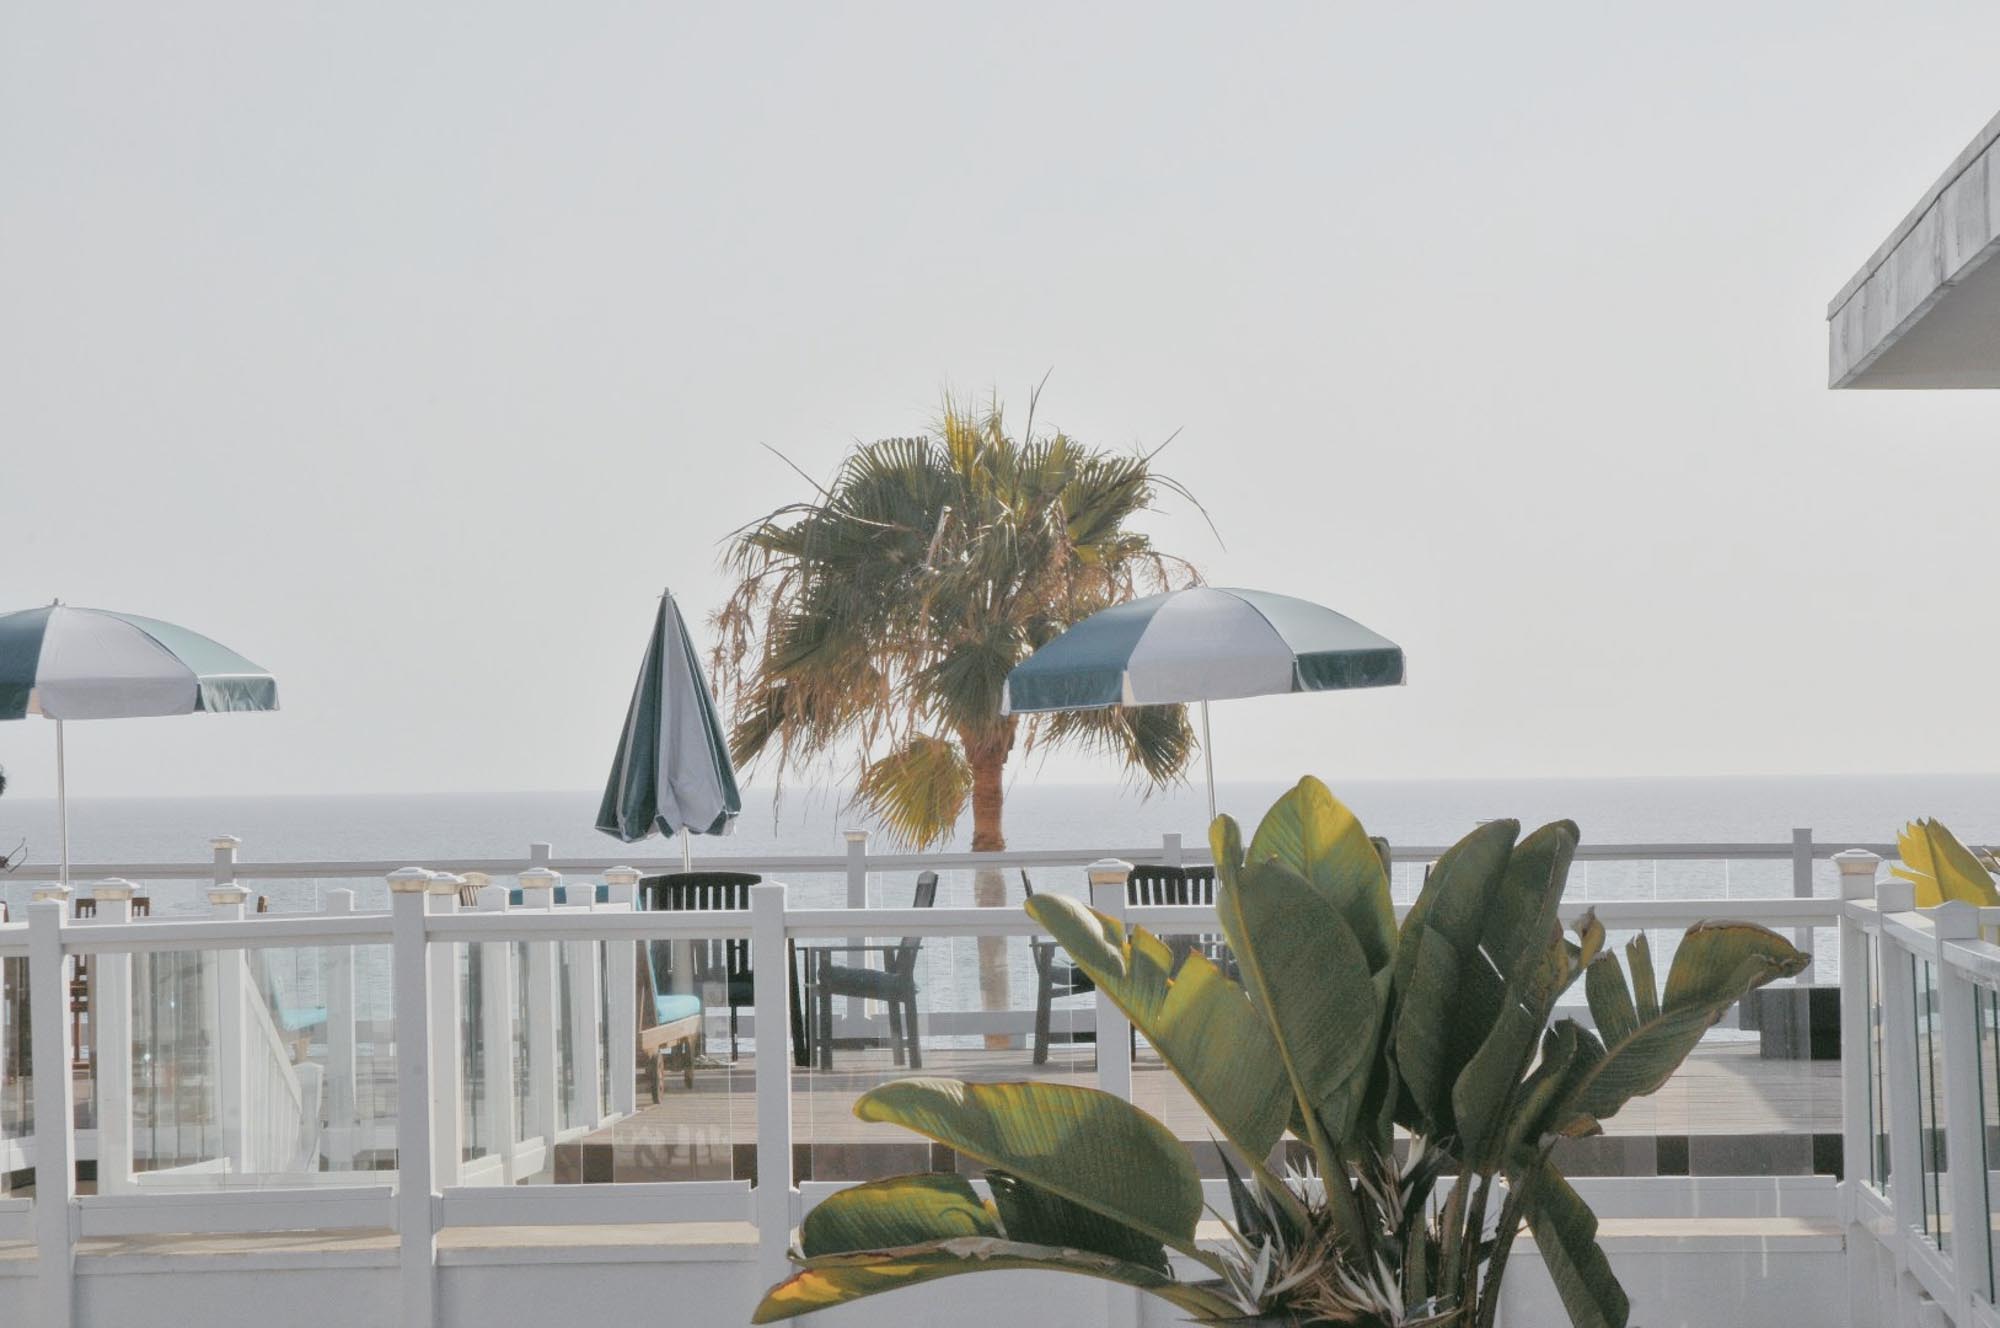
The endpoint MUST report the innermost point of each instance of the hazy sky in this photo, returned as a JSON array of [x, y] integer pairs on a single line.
[[410, 349]]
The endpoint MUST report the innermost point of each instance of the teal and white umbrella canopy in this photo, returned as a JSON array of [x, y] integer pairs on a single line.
[[672, 774], [63, 662], [1203, 644]]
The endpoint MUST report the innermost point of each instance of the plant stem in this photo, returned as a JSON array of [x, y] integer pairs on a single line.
[[1503, 1244], [1475, 1227]]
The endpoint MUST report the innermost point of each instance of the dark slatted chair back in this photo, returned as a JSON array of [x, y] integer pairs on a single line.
[[1170, 885], [700, 892], [905, 959]]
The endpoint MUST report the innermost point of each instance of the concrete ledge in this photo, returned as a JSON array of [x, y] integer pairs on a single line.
[[1921, 312]]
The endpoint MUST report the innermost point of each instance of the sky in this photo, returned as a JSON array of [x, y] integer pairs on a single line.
[[410, 350]]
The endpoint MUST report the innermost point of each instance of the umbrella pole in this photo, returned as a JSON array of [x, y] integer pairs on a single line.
[[687, 851], [62, 803], [1208, 760]]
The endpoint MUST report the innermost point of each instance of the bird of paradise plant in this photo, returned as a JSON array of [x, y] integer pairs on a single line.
[[1338, 1027]]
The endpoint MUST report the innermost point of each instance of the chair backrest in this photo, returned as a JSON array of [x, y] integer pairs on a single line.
[[1157, 885], [703, 891], [904, 960]]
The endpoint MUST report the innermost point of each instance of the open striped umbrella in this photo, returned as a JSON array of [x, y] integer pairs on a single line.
[[1202, 644], [62, 663], [672, 772]]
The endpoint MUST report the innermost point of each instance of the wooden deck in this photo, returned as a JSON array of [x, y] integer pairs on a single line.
[[709, 1131]]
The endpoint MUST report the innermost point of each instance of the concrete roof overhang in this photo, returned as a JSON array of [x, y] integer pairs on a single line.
[[1924, 310]]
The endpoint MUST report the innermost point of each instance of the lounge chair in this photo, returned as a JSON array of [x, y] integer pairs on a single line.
[[669, 1026], [894, 984]]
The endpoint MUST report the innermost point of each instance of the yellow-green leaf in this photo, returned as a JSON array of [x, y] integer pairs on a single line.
[[1941, 868], [1310, 978], [897, 1212], [837, 1279], [1313, 833], [1081, 1143], [1200, 1021]]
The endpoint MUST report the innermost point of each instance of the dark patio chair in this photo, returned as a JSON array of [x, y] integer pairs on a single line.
[[1143, 886], [727, 962], [894, 984]]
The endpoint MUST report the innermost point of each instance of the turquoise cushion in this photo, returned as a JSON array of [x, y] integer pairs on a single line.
[[675, 1006], [296, 1021]]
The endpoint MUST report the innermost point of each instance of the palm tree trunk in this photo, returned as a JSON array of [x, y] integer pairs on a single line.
[[989, 886]]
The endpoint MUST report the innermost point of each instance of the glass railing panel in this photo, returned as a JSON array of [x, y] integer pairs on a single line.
[[1759, 1094], [691, 1081], [1878, 1091], [259, 1068], [1935, 1185], [1986, 1013], [17, 1079], [878, 1008]]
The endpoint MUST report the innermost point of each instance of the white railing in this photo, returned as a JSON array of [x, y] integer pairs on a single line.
[[307, 1184], [1921, 1103]]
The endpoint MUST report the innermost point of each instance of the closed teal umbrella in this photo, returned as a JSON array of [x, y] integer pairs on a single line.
[[672, 774]]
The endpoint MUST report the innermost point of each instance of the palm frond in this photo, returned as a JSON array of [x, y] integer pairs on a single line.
[[918, 791]]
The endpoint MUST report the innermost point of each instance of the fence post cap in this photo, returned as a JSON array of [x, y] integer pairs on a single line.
[[409, 881], [1955, 920], [114, 887], [1854, 861], [1109, 871], [50, 892], [1896, 895], [540, 878], [444, 883], [228, 894], [621, 876], [855, 836], [225, 843]]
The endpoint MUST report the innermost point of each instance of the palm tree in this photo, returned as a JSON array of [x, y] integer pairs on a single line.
[[883, 614]]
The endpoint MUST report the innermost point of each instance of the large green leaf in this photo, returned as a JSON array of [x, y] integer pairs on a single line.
[[1083, 1144], [897, 1212], [1717, 964], [1438, 968], [1523, 941], [836, 1279], [1031, 1215], [1566, 1238], [1310, 978], [1313, 833], [1200, 1021]]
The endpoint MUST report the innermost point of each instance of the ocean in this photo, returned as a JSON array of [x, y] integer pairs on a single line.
[[424, 828], [428, 828]]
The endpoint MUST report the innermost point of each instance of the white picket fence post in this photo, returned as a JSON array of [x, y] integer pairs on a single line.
[[1114, 1052], [415, 1195], [496, 1023], [544, 998], [586, 1015], [343, 1115], [232, 1081], [447, 1090], [1897, 978], [857, 867], [621, 975], [1802, 888], [775, 1200], [111, 1017], [55, 1118], [1857, 882]]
